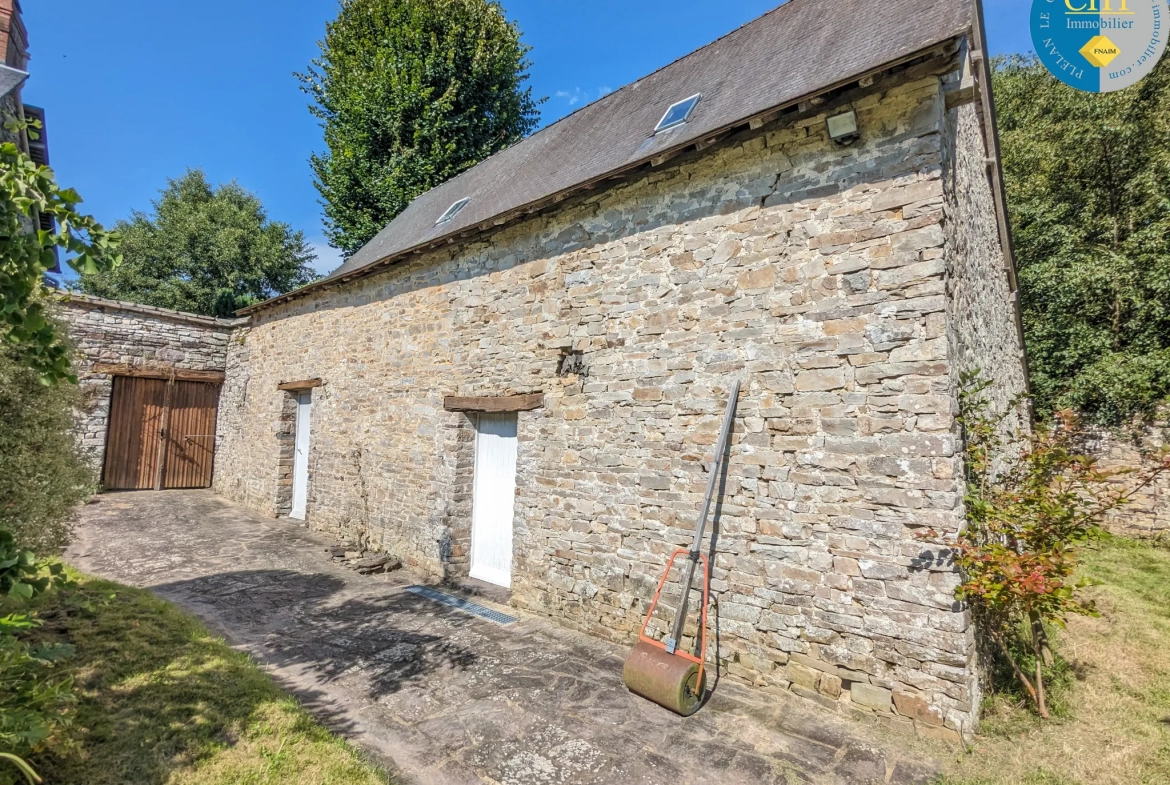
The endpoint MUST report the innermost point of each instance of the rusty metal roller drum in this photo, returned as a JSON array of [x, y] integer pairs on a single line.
[[666, 679]]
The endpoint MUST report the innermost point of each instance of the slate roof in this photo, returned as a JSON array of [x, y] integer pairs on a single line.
[[798, 50]]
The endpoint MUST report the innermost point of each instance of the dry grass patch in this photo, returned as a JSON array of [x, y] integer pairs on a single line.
[[1113, 723], [165, 702]]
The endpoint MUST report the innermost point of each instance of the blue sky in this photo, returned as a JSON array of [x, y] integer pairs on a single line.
[[137, 91]]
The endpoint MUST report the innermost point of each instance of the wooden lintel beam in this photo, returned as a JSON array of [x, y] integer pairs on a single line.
[[304, 384], [504, 403], [158, 372]]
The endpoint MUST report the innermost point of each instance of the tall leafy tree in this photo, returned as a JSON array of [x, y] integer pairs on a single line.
[[207, 250], [410, 94], [1088, 182]]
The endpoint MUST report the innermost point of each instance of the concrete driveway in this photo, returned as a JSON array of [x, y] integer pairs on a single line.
[[441, 696]]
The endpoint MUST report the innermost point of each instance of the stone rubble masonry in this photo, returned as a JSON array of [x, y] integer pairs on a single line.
[[1148, 515], [107, 331], [982, 320], [847, 287]]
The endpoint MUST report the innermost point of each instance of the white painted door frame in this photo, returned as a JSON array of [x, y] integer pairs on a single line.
[[493, 498], [300, 486]]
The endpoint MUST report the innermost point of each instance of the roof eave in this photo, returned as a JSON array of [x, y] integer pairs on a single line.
[[658, 158]]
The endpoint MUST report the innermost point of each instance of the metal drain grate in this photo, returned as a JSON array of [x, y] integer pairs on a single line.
[[461, 604]]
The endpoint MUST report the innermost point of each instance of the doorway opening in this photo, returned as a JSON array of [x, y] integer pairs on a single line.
[[161, 434], [493, 498], [300, 469]]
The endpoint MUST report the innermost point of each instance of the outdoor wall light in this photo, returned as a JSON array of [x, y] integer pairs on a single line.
[[843, 127]]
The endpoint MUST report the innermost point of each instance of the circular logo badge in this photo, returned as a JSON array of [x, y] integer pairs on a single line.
[[1099, 45]]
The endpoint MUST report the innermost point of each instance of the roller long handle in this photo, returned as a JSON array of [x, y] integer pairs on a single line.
[[720, 449], [680, 619]]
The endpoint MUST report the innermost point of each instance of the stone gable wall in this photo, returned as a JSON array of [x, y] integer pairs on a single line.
[[981, 304], [982, 317], [129, 334], [817, 273]]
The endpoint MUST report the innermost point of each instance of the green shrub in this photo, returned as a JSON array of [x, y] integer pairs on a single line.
[[36, 700], [43, 475], [1033, 505]]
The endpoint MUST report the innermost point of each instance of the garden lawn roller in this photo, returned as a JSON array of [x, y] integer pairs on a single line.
[[659, 670]]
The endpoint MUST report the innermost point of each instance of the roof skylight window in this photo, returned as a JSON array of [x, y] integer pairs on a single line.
[[453, 210], [678, 113]]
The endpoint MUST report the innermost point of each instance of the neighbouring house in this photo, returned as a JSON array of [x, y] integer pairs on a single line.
[[521, 378], [14, 66], [13, 74]]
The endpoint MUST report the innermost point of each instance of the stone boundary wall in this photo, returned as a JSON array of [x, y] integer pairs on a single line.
[[816, 272], [109, 331], [1149, 514]]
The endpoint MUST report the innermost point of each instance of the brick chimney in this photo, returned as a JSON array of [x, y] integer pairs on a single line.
[[13, 35]]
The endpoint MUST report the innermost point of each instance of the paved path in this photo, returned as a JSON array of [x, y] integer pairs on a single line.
[[445, 697]]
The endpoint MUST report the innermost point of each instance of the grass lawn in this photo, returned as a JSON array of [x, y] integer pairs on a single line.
[[162, 700], [1113, 718]]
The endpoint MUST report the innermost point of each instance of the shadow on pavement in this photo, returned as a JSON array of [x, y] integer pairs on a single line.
[[304, 619]]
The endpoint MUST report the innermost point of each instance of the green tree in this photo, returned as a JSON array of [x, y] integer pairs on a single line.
[[27, 253], [1088, 183], [410, 94], [207, 250]]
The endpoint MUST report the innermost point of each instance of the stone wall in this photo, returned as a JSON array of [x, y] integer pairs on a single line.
[[982, 308], [816, 273], [106, 331], [982, 315], [10, 106], [1148, 516]]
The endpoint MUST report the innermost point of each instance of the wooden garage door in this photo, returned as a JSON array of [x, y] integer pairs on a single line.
[[161, 434]]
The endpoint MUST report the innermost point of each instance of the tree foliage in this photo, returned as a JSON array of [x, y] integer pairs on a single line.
[[43, 475], [207, 250], [1033, 503], [410, 94], [27, 191], [1088, 183]]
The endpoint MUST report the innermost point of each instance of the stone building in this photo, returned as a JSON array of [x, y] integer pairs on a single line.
[[521, 379]]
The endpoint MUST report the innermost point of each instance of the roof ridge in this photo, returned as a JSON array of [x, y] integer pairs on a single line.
[[614, 93]]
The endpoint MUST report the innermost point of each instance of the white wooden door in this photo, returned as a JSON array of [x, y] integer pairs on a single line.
[[300, 488], [494, 499]]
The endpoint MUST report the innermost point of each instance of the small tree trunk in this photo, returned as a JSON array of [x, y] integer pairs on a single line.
[[1038, 653], [1032, 693], [1041, 700], [1040, 636]]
